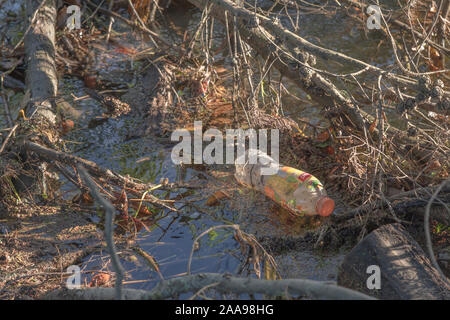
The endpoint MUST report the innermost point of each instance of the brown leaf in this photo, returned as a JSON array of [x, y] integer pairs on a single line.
[[124, 50], [214, 199], [372, 126], [90, 81], [85, 198], [66, 126], [323, 136], [433, 165], [436, 60], [330, 150], [100, 279], [220, 70], [142, 211]]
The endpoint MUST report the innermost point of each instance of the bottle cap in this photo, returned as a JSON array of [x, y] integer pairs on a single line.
[[325, 206]]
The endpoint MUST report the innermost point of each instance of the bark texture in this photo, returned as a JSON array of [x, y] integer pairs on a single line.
[[41, 78], [406, 272]]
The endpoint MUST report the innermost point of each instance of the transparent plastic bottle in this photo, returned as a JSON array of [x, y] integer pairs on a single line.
[[298, 191]]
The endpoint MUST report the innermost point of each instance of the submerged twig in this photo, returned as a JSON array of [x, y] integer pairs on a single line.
[[8, 137]]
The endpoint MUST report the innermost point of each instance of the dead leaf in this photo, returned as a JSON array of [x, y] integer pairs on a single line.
[[142, 211], [66, 126], [90, 81], [214, 199], [330, 150], [100, 279], [220, 70], [125, 50], [83, 198], [372, 126], [433, 165], [436, 60], [323, 136]]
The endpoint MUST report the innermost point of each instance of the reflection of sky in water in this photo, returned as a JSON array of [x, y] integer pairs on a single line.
[[170, 243], [171, 251]]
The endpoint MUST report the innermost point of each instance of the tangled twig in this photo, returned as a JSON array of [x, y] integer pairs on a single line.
[[110, 213], [427, 229]]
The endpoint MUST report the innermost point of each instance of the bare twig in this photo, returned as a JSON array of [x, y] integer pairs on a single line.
[[427, 229], [8, 137], [110, 213], [111, 20]]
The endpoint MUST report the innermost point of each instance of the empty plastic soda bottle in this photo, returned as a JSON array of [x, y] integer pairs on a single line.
[[298, 191]]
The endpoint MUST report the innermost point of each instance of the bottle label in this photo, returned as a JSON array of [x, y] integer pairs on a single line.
[[286, 186]]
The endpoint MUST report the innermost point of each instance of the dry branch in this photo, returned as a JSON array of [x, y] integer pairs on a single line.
[[227, 284], [292, 66], [109, 230]]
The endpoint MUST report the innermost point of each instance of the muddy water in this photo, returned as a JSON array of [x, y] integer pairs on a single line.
[[170, 239]]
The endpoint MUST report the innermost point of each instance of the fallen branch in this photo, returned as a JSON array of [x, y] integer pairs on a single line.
[[5, 142], [51, 155], [402, 25], [226, 284], [265, 43], [110, 213], [427, 229], [294, 41], [415, 194], [143, 28], [55, 155]]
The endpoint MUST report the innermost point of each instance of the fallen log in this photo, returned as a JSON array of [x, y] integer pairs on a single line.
[[39, 115], [41, 77], [222, 283], [405, 271]]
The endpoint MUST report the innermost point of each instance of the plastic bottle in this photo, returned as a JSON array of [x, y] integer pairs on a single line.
[[298, 191]]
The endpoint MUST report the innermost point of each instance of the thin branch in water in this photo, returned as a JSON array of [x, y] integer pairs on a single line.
[[8, 137], [110, 212], [427, 229]]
